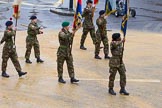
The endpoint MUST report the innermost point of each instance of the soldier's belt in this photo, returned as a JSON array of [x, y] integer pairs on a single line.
[[62, 46]]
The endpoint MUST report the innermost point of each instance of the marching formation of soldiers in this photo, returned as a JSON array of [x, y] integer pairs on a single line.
[[64, 52]]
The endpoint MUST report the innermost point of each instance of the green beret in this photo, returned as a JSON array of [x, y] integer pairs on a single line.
[[65, 24]]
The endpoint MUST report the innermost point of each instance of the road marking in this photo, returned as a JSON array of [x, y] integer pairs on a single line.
[[3, 2], [34, 5], [148, 25], [129, 80], [158, 27], [39, 9], [58, 3]]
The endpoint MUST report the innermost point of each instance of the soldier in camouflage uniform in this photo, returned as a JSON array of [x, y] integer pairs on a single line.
[[64, 53], [9, 50], [88, 25], [101, 35], [32, 41], [116, 64]]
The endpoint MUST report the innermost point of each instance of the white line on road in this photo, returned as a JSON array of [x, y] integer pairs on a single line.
[[31, 4], [3, 2], [129, 80]]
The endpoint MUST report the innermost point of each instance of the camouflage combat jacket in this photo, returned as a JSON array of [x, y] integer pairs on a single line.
[[8, 38], [101, 23], [65, 40], [33, 30], [116, 51], [88, 15]]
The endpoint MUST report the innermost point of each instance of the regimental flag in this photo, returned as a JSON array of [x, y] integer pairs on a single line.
[[96, 2], [108, 8], [125, 18], [16, 8], [78, 15]]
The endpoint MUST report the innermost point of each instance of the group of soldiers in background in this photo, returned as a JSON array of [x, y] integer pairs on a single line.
[[64, 51], [101, 33]]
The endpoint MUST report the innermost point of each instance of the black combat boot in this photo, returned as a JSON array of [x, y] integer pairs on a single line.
[[82, 47], [123, 91], [39, 60], [21, 73], [28, 61], [4, 74], [111, 91], [97, 57], [61, 80], [106, 56], [73, 80]]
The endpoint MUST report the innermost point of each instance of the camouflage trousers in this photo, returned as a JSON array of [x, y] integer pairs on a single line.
[[10, 53], [84, 35], [122, 71], [69, 62], [29, 45], [104, 40]]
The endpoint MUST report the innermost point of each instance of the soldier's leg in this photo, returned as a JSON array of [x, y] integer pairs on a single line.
[[70, 66], [112, 72], [60, 63], [122, 72], [93, 35], [84, 35], [5, 58], [37, 51], [97, 46], [28, 50], [15, 61], [106, 47]]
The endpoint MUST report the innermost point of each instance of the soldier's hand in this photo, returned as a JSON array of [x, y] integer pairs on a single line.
[[123, 40], [73, 32], [41, 32], [15, 28], [93, 8], [106, 16]]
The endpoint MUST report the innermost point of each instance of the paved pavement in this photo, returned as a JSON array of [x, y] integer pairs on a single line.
[[40, 89]]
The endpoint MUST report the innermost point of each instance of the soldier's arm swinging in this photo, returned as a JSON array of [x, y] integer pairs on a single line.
[[3, 38]]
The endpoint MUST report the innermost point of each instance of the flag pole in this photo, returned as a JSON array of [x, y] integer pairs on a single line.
[[15, 30], [16, 12], [125, 17]]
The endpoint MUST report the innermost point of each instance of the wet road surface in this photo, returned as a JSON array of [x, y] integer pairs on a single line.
[[40, 89], [148, 17]]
